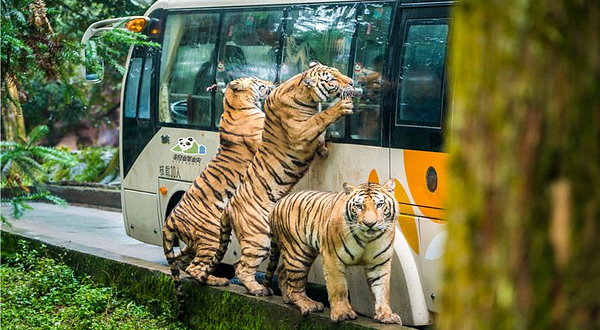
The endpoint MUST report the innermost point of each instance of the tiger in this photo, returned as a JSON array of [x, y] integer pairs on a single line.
[[353, 227], [291, 137], [195, 220]]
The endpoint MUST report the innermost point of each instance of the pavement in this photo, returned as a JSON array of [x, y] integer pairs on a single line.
[[84, 226]]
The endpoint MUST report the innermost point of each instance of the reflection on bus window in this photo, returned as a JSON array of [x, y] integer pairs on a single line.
[[248, 47], [144, 103], [371, 52], [422, 78], [321, 33], [132, 87], [187, 69]]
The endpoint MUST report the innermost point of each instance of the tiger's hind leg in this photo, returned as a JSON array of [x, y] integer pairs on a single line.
[[186, 255], [199, 267], [296, 269], [254, 251]]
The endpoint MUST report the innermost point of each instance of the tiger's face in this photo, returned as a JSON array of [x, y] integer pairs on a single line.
[[327, 83], [371, 208], [254, 88]]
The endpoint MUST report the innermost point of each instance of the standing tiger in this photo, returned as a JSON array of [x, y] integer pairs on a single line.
[[196, 218], [352, 227], [291, 138]]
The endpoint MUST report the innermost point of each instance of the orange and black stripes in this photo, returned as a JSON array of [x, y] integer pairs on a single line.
[[290, 141], [353, 227], [195, 220]]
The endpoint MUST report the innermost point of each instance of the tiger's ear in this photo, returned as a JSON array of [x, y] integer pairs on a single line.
[[348, 188], [312, 64], [238, 85], [389, 185]]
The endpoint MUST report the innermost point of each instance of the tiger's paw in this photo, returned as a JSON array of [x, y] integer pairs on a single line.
[[261, 292], [310, 307], [342, 107], [217, 281], [342, 314], [322, 151], [388, 318]]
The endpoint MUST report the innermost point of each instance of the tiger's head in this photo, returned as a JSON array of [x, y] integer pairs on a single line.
[[327, 83], [371, 208], [250, 88]]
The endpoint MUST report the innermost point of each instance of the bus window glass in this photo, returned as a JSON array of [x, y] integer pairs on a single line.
[[371, 52], [248, 47], [321, 33], [144, 105], [132, 87], [187, 68], [420, 93]]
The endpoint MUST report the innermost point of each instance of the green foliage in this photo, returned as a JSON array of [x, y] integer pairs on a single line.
[[21, 164], [41, 53], [38, 292], [92, 164]]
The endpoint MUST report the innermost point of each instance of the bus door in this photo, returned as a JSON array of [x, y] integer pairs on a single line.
[[354, 40], [137, 129], [416, 136]]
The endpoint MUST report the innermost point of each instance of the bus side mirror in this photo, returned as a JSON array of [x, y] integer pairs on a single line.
[[93, 68], [94, 65]]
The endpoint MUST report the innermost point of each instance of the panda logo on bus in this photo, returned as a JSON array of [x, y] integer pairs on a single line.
[[189, 146]]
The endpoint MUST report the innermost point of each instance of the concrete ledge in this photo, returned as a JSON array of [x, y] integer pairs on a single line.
[[110, 198], [207, 307]]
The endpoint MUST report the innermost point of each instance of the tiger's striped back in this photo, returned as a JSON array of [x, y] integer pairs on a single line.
[[195, 219], [290, 141], [352, 227]]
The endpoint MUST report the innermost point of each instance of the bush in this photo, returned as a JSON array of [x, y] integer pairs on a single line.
[[38, 292]]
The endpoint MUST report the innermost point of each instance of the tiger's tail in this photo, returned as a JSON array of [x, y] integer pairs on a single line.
[[169, 237], [273, 261], [224, 240]]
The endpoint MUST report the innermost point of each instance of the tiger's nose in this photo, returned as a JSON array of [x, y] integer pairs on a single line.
[[370, 223]]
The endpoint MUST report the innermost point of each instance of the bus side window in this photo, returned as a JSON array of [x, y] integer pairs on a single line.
[[248, 47], [132, 87], [187, 69], [144, 103], [322, 33], [421, 83], [371, 53]]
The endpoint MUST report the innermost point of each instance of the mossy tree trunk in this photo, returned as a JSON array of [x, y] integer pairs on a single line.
[[524, 208], [13, 123]]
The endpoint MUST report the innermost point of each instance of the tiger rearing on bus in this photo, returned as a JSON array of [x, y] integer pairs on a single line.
[[195, 219], [291, 138]]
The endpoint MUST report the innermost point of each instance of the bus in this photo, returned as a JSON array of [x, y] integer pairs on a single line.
[[394, 50]]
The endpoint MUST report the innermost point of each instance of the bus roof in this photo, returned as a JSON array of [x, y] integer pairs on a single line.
[[186, 4]]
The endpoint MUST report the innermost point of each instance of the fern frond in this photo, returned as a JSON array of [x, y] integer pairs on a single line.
[[8, 144], [51, 154], [29, 167], [6, 167], [56, 200], [36, 134]]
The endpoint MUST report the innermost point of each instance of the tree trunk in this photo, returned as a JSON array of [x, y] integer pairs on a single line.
[[524, 208], [13, 124]]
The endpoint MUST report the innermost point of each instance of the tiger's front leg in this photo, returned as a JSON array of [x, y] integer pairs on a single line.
[[378, 278], [337, 289], [310, 129]]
